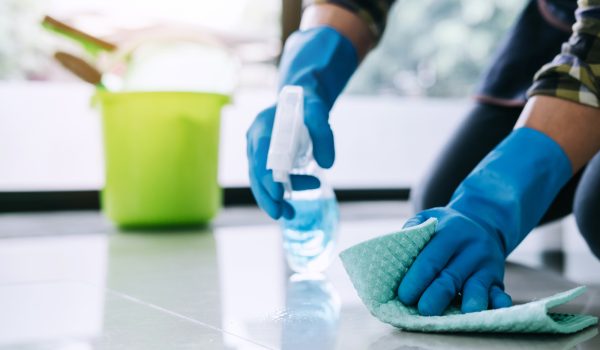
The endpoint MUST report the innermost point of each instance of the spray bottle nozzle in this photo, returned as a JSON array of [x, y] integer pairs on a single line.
[[289, 138]]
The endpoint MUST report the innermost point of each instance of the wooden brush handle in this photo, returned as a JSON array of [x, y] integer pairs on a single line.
[[79, 67], [53, 22]]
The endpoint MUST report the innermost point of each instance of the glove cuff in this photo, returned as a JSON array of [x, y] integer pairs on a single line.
[[513, 186], [321, 60]]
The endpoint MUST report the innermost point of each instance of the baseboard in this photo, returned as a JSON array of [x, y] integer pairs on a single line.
[[90, 200]]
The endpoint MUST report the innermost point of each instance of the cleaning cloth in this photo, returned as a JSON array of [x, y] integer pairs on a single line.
[[377, 266]]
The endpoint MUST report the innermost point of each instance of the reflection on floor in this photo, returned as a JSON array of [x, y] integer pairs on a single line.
[[71, 281]]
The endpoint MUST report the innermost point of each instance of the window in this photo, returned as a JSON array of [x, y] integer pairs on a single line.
[[26, 49], [50, 137], [51, 144], [434, 48]]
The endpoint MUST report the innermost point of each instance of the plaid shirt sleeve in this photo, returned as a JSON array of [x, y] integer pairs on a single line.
[[574, 73], [373, 12]]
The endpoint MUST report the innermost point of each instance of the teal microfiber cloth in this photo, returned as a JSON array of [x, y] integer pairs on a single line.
[[377, 266]]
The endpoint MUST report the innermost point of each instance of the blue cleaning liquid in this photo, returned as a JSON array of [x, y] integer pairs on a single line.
[[308, 238]]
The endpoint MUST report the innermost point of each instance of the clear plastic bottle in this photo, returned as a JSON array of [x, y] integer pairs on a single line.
[[309, 237]]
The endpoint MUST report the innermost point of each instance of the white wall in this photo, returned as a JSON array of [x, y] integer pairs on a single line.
[[50, 137]]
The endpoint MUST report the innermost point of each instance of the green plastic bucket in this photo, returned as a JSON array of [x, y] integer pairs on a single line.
[[161, 157]]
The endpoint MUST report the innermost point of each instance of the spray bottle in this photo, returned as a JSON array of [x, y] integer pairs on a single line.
[[309, 237]]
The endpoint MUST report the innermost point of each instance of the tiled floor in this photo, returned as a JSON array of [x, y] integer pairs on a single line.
[[70, 281]]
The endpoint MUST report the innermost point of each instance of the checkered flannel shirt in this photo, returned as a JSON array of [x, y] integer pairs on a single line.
[[573, 74]]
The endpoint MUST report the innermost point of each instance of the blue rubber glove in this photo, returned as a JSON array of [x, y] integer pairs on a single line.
[[322, 61], [490, 213]]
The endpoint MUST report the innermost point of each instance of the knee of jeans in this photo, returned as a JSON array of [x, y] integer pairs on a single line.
[[588, 222]]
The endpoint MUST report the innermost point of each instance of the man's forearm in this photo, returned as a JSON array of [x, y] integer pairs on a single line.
[[575, 127], [346, 22]]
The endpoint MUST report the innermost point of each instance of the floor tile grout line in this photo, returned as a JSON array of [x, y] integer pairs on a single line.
[[178, 315]]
